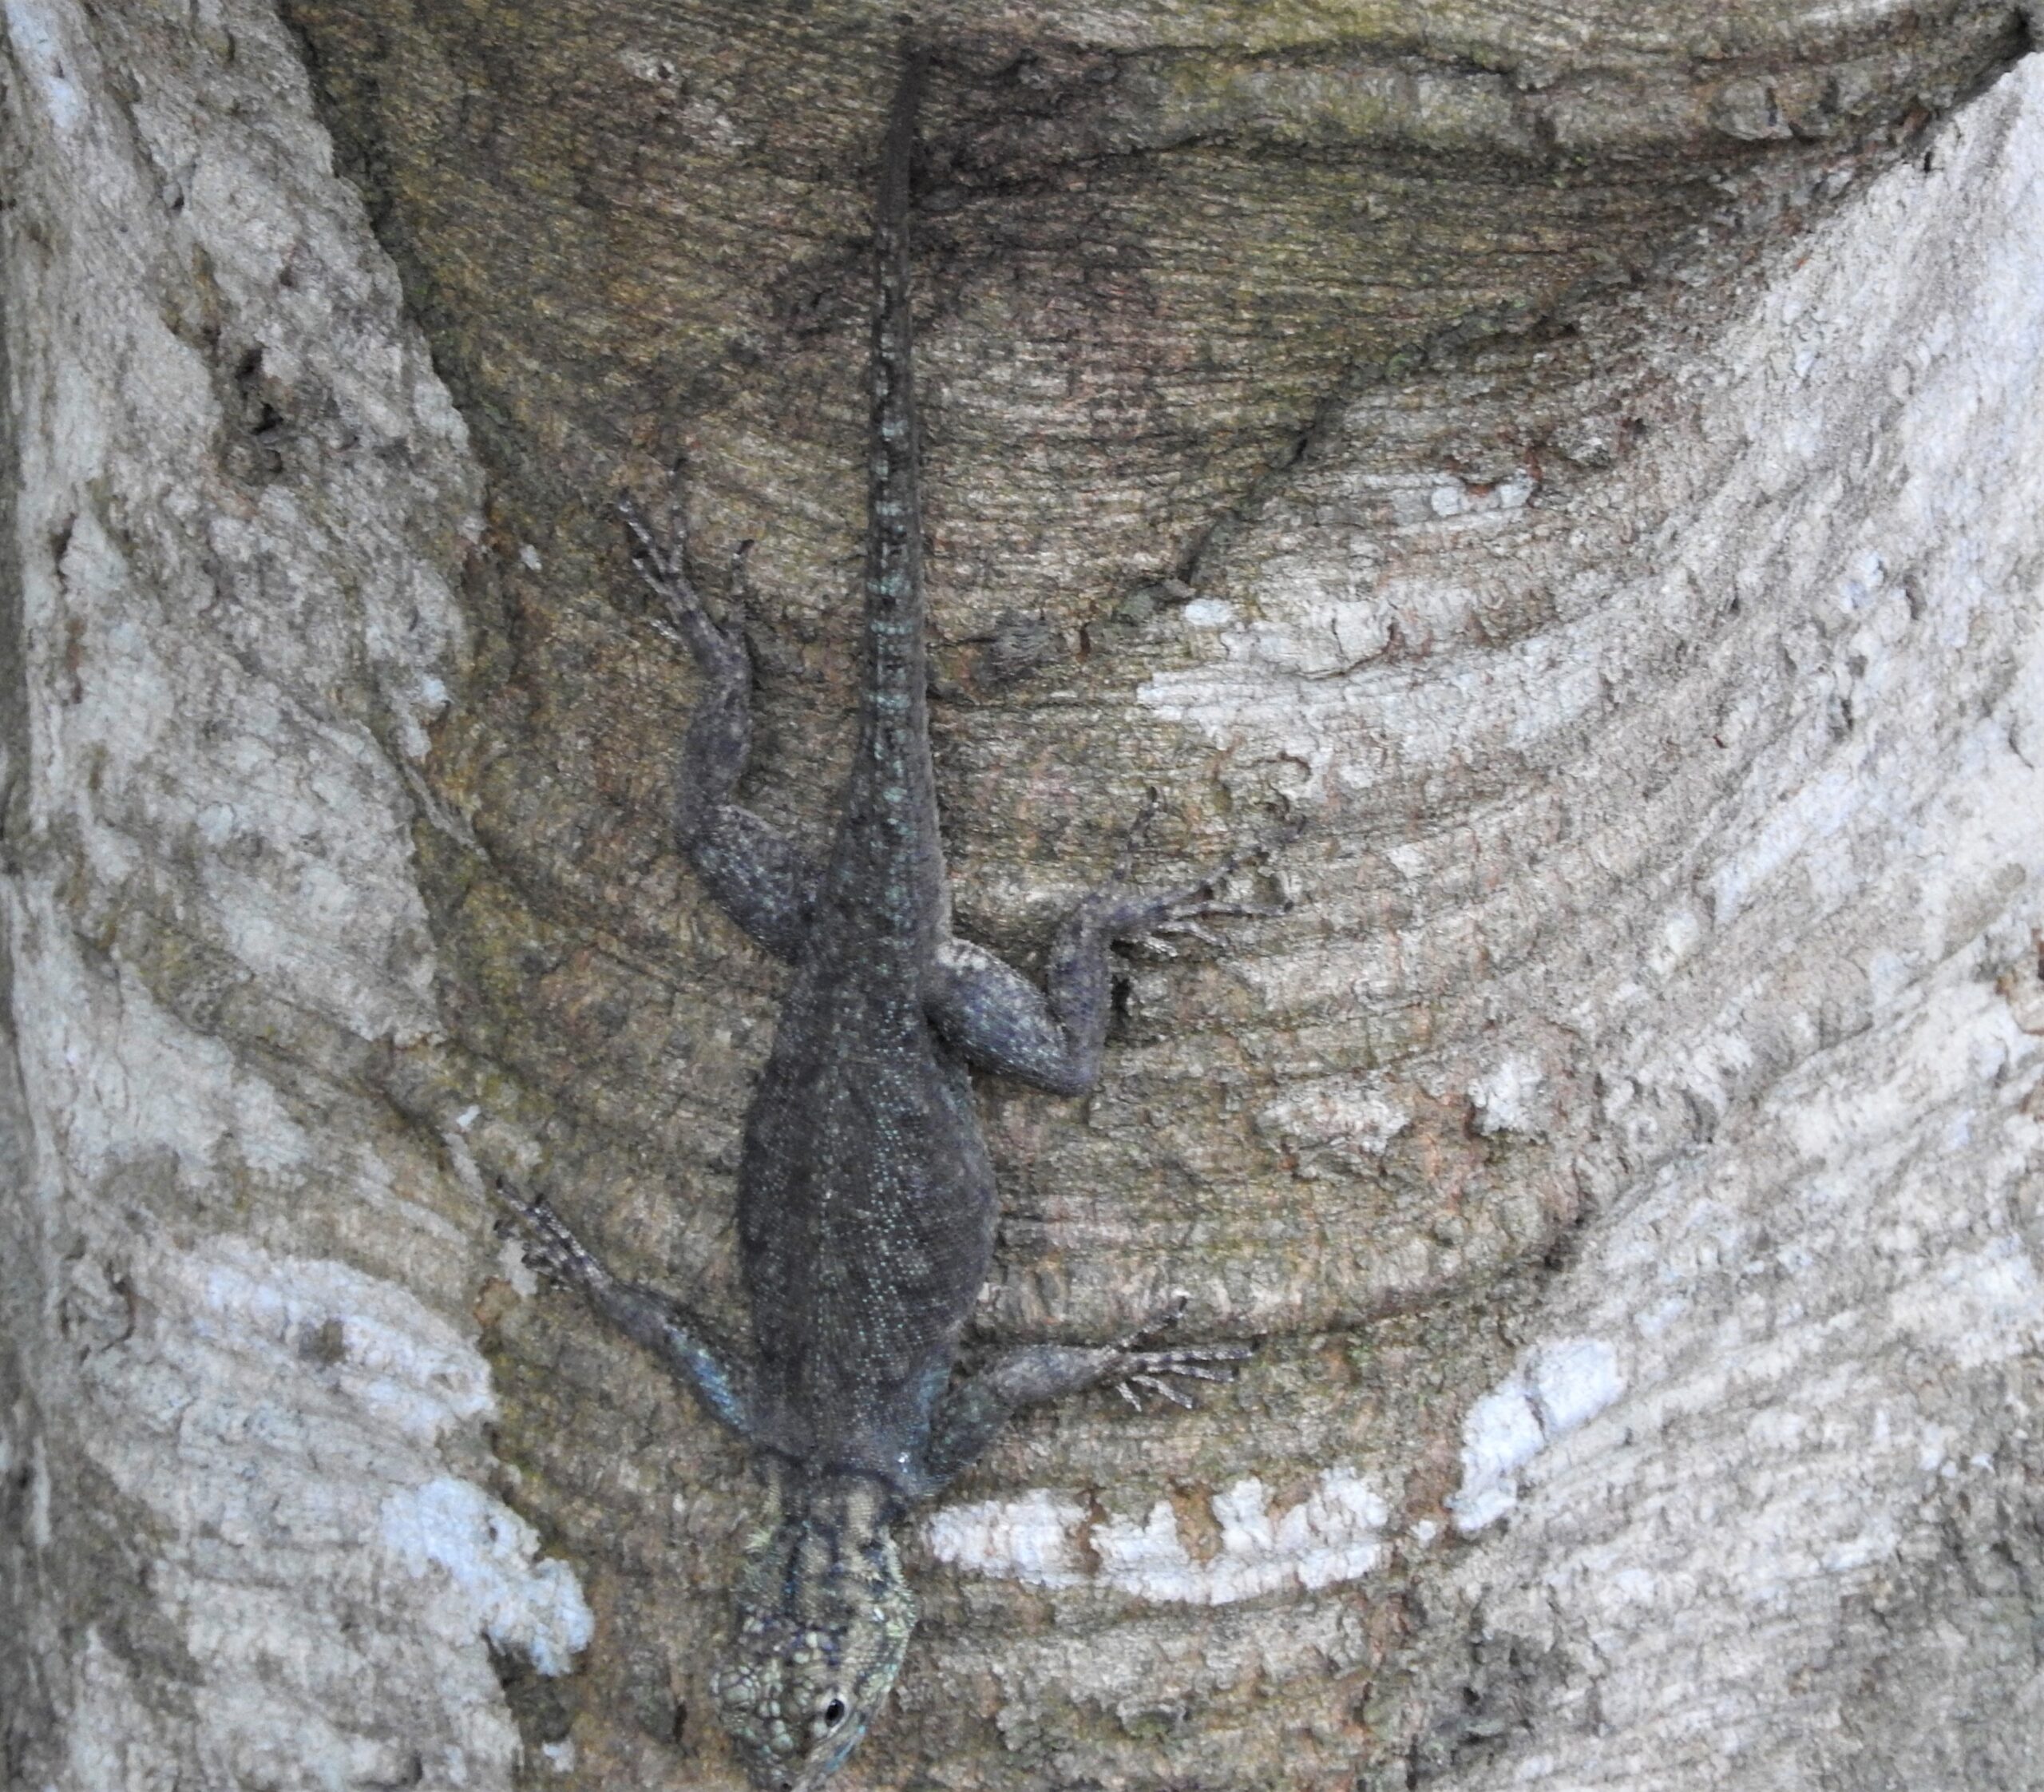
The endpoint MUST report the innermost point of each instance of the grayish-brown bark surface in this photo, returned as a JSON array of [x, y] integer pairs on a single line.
[[1581, 461]]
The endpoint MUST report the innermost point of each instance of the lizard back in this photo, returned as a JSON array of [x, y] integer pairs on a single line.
[[866, 1201]]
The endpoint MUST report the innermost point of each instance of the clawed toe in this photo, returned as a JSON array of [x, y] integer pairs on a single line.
[[1188, 930], [1167, 1316], [661, 558], [1177, 914], [1230, 911], [1195, 1365], [547, 1245], [1150, 1377], [1158, 1372]]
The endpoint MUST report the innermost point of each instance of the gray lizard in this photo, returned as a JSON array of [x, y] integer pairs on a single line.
[[866, 1204]]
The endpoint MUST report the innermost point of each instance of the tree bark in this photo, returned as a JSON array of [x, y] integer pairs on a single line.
[[1579, 463]]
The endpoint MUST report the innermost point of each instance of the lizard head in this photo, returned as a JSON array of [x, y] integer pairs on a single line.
[[823, 1618]]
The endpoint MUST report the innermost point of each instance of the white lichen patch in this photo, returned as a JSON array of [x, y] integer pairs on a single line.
[[1511, 1097], [187, 651], [1335, 1534], [1557, 1387], [297, 1412], [40, 57], [1029, 1540], [1207, 612], [230, 650], [375, 1344], [487, 1552]]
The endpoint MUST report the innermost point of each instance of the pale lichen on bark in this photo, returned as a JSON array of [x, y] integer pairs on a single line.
[[1583, 460], [240, 1381]]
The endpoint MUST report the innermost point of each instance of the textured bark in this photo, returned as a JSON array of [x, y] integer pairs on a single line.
[[1582, 462]]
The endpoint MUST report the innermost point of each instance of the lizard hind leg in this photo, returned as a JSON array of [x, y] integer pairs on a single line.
[[1033, 1374], [755, 875]]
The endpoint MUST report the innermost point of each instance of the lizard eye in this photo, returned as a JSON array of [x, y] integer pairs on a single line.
[[833, 1713]]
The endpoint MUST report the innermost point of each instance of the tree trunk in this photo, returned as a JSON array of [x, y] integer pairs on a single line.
[[1579, 463]]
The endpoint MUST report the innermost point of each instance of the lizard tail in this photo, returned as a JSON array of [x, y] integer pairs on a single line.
[[887, 832], [894, 552]]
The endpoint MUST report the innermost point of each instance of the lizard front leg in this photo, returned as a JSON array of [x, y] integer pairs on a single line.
[[756, 875], [973, 1412], [678, 1340], [1054, 1038]]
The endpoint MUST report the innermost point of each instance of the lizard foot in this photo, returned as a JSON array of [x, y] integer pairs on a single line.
[[661, 554], [1140, 1372], [549, 1246], [1157, 917]]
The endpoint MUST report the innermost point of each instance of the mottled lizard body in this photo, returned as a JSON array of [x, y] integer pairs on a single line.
[[866, 1204]]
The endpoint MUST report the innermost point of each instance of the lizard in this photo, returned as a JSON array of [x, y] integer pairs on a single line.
[[866, 1203]]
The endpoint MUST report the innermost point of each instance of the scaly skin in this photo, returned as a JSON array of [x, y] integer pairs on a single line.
[[824, 1617], [866, 1203]]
